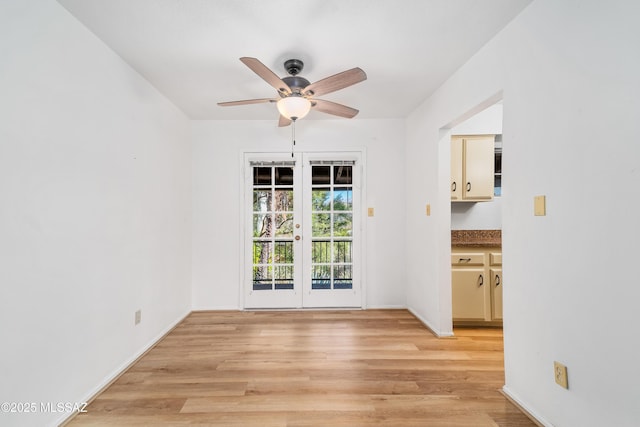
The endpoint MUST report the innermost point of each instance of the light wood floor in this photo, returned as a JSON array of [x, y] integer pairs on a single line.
[[311, 368]]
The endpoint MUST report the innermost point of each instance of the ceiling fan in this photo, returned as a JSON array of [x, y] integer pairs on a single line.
[[296, 95]]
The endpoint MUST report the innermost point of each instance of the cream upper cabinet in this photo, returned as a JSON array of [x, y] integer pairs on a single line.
[[472, 167], [456, 168]]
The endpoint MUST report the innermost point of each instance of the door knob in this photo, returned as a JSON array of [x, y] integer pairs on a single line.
[[297, 237]]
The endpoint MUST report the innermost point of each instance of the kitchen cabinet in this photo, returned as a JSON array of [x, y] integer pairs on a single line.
[[495, 271], [476, 286], [472, 168]]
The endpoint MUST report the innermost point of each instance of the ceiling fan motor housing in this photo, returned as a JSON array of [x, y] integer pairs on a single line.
[[296, 83], [293, 66]]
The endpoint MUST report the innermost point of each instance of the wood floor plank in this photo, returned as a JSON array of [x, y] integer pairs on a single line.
[[311, 368]]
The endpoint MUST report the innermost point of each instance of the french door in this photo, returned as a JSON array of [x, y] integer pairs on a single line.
[[302, 231]]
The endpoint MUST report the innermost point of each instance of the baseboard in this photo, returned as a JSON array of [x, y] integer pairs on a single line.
[[220, 308], [386, 307], [429, 326], [117, 373], [530, 413]]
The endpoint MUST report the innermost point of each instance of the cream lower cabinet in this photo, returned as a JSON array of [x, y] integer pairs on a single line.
[[468, 293], [476, 280], [496, 293]]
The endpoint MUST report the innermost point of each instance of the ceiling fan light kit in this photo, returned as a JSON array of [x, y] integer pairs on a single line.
[[294, 107], [296, 94]]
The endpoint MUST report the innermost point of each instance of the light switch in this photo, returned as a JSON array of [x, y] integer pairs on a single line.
[[370, 212], [539, 206], [428, 210]]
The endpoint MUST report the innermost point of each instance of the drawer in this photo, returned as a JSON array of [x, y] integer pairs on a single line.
[[495, 258], [462, 259]]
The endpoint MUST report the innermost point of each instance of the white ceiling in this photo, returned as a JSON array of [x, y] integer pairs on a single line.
[[189, 49]]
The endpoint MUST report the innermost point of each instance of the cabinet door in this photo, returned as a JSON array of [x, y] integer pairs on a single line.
[[496, 293], [468, 293], [478, 167], [456, 169]]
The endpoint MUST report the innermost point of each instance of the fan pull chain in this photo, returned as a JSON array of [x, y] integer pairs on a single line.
[[293, 136]]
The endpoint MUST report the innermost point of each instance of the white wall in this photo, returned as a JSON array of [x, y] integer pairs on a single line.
[[568, 72], [486, 122], [94, 211], [477, 216], [217, 150]]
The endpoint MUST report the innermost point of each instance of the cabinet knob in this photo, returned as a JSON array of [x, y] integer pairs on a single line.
[[497, 280], [468, 186], [480, 280], [464, 260], [454, 186]]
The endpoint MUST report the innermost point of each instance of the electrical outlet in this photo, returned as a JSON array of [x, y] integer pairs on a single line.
[[560, 373], [138, 316]]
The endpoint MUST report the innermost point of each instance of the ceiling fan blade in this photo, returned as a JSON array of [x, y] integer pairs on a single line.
[[283, 121], [333, 108], [336, 82], [246, 102], [266, 74]]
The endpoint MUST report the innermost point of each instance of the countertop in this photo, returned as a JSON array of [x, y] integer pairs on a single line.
[[476, 238]]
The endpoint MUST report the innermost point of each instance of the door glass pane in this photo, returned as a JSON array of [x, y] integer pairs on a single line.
[[284, 176], [342, 199], [284, 225], [342, 175], [261, 176], [342, 224], [284, 252], [321, 252], [321, 199], [332, 227], [262, 277], [261, 252], [342, 252], [284, 277], [283, 200], [321, 277], [320, 175], [342, 277], [262, 200], [273, 257], [326, 231], [263, 225], [321, 225]]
